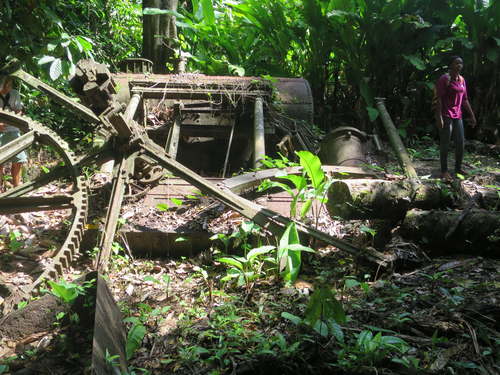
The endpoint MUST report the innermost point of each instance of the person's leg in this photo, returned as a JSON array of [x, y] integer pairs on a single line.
[[458, 130], [1, 178], [17, 162], [2, 142], [16, 173], [445, 136]]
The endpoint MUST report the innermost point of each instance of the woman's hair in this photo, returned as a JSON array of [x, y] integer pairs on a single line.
[[452, 59]]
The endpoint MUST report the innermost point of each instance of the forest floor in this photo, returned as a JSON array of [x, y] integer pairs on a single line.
[[191, 316]]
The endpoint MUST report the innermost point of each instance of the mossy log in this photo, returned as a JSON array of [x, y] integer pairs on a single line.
[[367, 199], [486, 197], [472, 231]]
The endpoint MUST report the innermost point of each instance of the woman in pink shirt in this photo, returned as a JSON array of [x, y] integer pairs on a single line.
[[452, 95]]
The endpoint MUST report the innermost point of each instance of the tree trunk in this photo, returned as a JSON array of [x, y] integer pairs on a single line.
[[472, 231], [367, 199], [159, 35]]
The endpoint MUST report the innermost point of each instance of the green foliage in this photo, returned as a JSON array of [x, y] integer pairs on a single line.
[[135, 336], [67, 291], [15, 241], [323, 314], [289, 253], [310, 186], [250, 266], [281, 162], [370, 349], [246, 269]]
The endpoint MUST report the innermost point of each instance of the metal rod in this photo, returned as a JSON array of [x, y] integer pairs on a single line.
[[173, 139], [132, 107], [259, 150], [395, 140], [228, 151]]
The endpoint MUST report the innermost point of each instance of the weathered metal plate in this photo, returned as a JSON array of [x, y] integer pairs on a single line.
[[109, 334]]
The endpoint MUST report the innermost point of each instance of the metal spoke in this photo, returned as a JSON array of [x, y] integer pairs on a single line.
[[18, 205], [16, 146]]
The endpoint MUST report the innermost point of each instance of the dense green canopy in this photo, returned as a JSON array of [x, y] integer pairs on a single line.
[[349, 50]]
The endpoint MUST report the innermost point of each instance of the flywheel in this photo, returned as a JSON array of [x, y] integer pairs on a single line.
[[34, 214]]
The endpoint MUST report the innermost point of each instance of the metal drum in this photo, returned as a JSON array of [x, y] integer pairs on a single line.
[[343, 146]]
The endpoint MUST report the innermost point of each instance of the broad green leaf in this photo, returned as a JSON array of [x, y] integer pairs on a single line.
[[321, 327], [46, 59], [364, 338], [293, 318], [299, 247], [336, 330], [68, 292], [372, 113], [134, 339], [365, 229], [162, 206], [292, 270], [232, 262], [267, 184], [85, 43], [312, 166], [324, 306], [248, 226], [351, 283], [259, 251], [55, 70], [151, 278], [177, 202], [290, 236], [299, 181], [208, 12], [305, 208], [416, 61]]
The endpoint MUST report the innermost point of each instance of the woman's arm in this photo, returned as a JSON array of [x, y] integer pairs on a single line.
[[468, 107], [438, 114]]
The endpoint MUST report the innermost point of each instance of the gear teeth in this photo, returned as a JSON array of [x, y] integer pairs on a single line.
[[68, 252]]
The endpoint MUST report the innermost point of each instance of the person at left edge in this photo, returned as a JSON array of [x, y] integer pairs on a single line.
[[10, 99]]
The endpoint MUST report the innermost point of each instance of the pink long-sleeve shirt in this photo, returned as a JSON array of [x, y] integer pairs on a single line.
[[452, 94]]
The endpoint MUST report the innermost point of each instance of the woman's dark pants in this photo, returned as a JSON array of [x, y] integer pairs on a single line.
[[453, 127]]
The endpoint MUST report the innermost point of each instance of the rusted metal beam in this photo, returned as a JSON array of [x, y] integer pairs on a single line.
[[195, 93], [121, 173], [16, 146], [43, 179], [261, 216], [30, 204], [57, 96]]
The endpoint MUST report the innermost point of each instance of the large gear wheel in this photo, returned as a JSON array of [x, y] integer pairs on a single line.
[[34, 196]]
